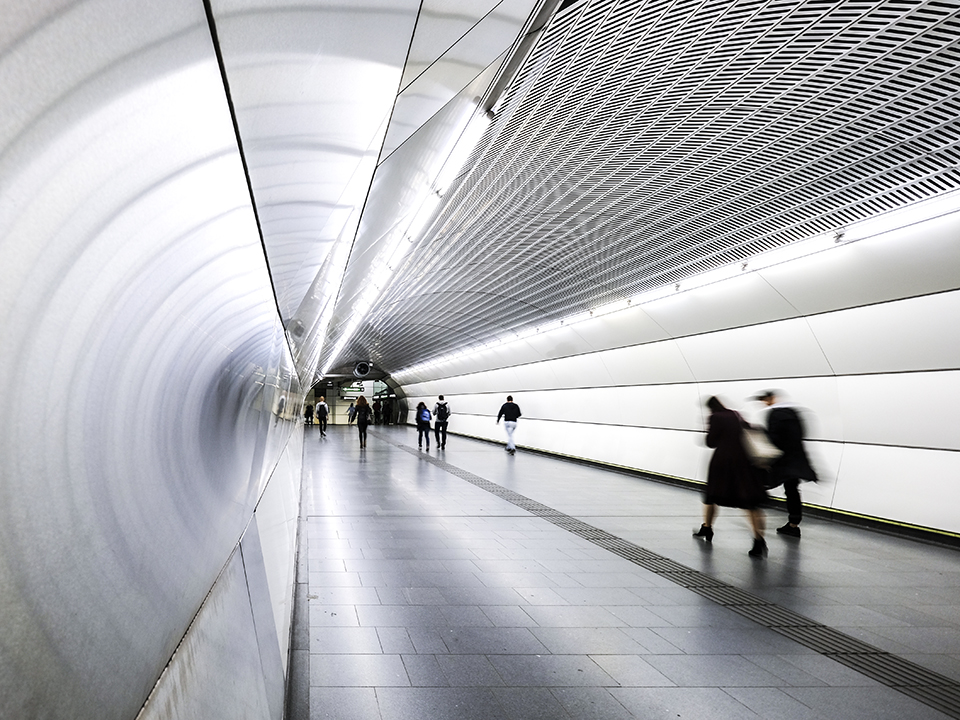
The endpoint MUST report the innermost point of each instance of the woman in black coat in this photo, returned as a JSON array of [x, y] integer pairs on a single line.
[[732, 480]]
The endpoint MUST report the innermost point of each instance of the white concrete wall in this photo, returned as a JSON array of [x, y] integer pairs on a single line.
[[864, 336]]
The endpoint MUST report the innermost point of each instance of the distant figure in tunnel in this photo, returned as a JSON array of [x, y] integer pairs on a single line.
[[441, 417], [377, 407], [732, 480], [323, 412], [308, 415], [423, 424], [785, 430], [510, 412], [351, 413], [387, 411], [364, 416]]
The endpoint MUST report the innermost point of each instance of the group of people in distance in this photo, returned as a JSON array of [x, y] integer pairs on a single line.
[[737, 479], [509, 411]]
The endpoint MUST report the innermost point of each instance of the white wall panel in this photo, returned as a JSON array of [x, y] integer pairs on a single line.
[[668, 452], [744, 300], [916, 260], [780, 349], [653, 363], [559, 343], [628, 327], [913, 334], [215, 673], [912, 409], [920, 487], [817, 398], [276, 517], [883, 375]]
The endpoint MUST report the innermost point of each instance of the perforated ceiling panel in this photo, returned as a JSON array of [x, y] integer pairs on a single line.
[[646, 141]]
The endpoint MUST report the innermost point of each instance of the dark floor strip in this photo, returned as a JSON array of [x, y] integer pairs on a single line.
[[914, 680]]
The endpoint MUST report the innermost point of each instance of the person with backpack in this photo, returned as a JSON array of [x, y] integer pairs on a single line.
[[422, 417], [441, 414], [323, 412]]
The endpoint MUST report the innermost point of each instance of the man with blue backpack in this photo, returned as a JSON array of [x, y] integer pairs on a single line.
[[441, 413]]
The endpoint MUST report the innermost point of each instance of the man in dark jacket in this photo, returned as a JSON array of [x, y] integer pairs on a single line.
[[510, 412], [785, 430]]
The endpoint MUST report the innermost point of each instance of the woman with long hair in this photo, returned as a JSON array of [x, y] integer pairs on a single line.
[[732, 480], [423, 417], [364, 415]]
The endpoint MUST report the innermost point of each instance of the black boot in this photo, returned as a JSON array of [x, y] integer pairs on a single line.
[[706, 532], [759, 548]]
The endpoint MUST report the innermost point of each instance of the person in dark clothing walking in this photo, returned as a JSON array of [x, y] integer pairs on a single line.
[[323, 412], [510, 412], [308, 415], [732, 480], [364, 416], [441, 416], [785, 430]]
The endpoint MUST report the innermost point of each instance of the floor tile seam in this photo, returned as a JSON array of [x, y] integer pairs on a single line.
[[674, 571]]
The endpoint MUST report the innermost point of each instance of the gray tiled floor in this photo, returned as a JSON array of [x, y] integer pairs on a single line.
[[432, 598]]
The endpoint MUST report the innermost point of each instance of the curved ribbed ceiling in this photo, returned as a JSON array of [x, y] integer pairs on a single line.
[[644, 142]]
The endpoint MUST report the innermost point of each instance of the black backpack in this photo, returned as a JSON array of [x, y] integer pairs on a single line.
[[442, 412]]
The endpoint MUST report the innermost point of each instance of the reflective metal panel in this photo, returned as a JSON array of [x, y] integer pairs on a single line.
[[216, 672], [437, 83], [147, 380], [313, 86]]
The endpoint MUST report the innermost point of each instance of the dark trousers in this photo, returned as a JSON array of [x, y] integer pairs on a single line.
[[791, 488], [423, 431], [362, 429], [439, 426]]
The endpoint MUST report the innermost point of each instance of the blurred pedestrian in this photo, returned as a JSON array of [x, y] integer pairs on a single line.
[[785, 430], [732, 479]]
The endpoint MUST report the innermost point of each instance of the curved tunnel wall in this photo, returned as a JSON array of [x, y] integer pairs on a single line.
[[862, 336], [150, 465]]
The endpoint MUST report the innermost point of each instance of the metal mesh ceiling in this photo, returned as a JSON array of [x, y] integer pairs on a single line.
[[643, 142]]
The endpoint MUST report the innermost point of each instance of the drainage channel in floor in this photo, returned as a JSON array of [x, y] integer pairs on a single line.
[[916, 681]]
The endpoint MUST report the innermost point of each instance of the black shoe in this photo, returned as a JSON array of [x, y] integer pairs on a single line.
[[706, 532], [759, 548], [512, 452], [788, 529]]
